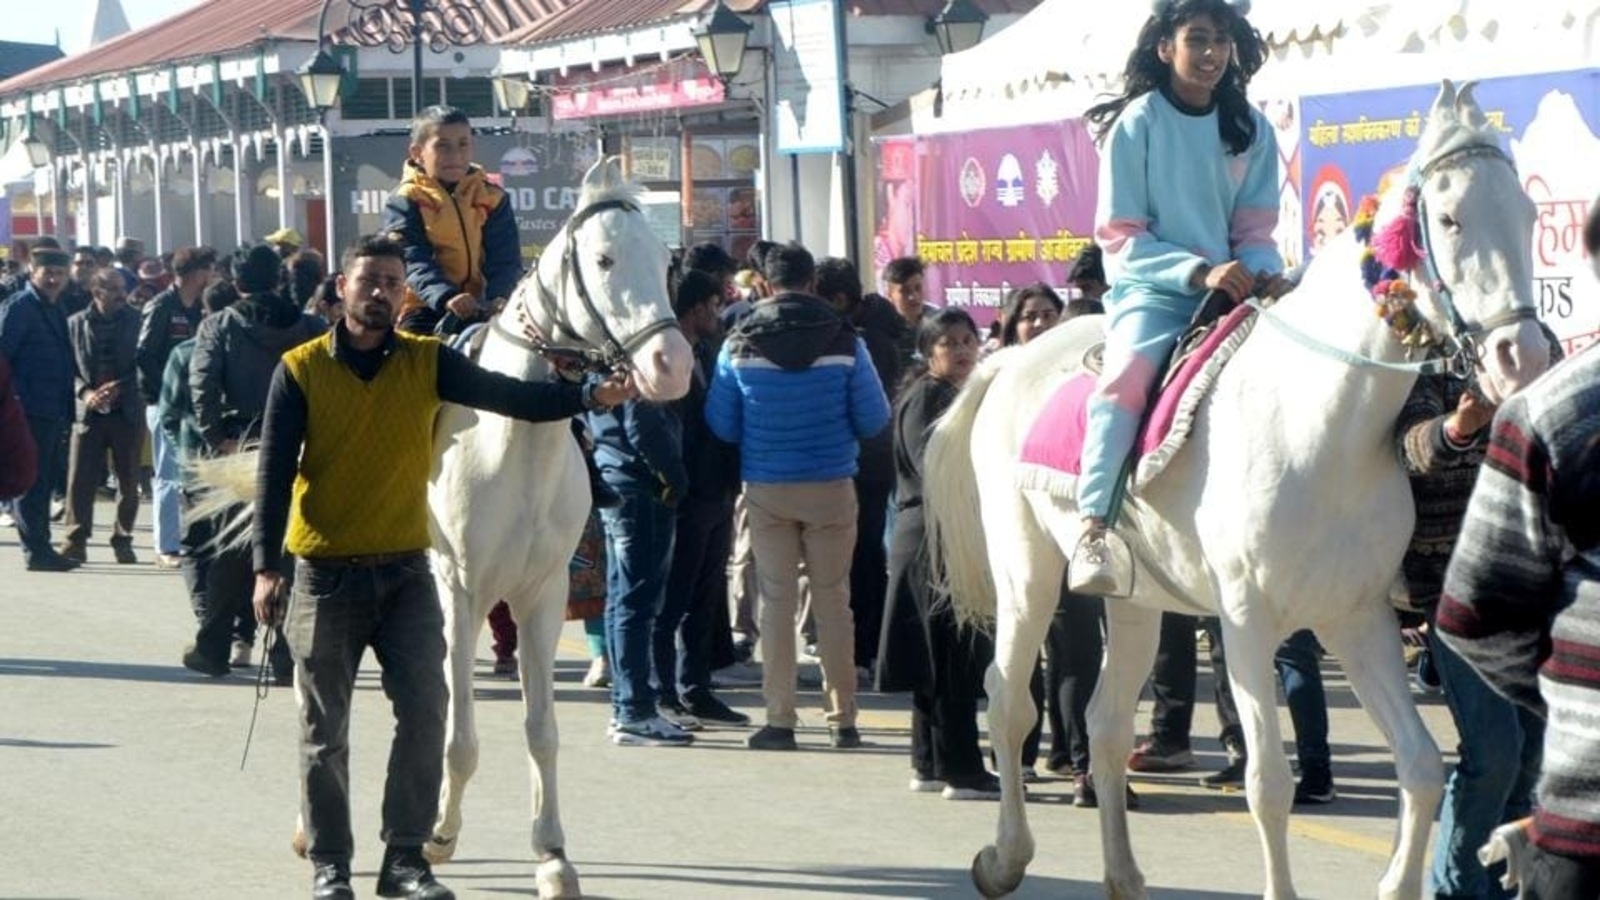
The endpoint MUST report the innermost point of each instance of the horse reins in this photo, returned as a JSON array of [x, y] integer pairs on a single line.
[[614, 354]]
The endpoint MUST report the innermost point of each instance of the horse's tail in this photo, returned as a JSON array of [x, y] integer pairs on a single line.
[[225, 490], [957, 549]]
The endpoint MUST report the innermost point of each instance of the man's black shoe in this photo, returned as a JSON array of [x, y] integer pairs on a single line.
[[406, 873], [51, 562], [332, 882], [707, 708], [771, 738], [195, 661], [846, 738]]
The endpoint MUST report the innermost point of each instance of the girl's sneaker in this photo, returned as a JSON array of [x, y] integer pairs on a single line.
[[652, 732]]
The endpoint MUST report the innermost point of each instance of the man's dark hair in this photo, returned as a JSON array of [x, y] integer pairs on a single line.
[[257, 270], [306, 272], [756, 257], [219, 297], [103, 256], [189, 260], [902, 270], [370, 246], [433, 118], [711, 259], [790, 267], [696, 287], [836, 276], [1088, 266]]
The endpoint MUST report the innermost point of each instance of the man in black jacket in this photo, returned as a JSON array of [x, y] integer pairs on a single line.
[[105, 340], [170, 318], [230, 375], [884, 331]]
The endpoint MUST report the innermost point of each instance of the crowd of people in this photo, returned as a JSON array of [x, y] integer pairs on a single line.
[[773, 514]]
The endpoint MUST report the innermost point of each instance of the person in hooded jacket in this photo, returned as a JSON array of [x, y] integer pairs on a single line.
[[230, 374], [797, 391]]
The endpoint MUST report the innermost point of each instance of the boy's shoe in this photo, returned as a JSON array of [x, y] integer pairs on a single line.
[[1232, 775], [652, 732], [678, 715], [772, 738], [75, 552], [1151, 756], [1092, 571], [844, 738], [713, 711], [123, 551], [1315, 788], [981, 787], [925, 784], [242, 653]]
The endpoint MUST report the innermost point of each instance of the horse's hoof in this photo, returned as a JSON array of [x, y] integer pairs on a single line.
[[984, 876], [439, 849], [1126, 890], [557, 880], [298, 844]]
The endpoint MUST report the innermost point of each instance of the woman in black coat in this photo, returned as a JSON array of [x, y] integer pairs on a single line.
[[923, 649]]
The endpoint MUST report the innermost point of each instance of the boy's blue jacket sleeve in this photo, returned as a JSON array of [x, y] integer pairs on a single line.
[[724, 405], [403, 221], [502, 252]]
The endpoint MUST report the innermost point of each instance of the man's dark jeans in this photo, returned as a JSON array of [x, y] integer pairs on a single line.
[[869, 568], [221, 587], [335, 612], [639, 536], [1074, 645], [1173, 679], [33, 509], [697, 584]]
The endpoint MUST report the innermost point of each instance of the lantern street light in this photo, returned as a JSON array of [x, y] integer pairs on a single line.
[[722, 37], [958, 27], [38, 151], [511, 92], [320, 78]]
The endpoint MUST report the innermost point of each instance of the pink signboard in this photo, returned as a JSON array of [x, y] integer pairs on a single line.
[[988, 211], [612, 92]]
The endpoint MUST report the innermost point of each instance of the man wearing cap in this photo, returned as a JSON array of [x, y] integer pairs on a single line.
[[286, 241], [235, 352], [33, 339], [170, 318]]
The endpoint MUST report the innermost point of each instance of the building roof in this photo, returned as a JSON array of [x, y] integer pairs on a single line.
[[600, 16], [106, 21], [213, 27], [17, 57]]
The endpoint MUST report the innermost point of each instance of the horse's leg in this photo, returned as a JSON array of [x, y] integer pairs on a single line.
[[539, 626], [1368, 644], [463, 620], [1132, 633], [1030, 567], [1269, 785]]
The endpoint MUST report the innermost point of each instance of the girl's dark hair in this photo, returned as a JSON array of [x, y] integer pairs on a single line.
[[326, 295], [1014, 304], [932, 328], [1145, 72]]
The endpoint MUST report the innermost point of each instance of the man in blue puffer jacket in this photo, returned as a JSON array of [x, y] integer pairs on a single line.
[[797, 391]]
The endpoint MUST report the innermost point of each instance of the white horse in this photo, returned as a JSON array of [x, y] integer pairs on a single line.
[[508, 499], [1286, 509]]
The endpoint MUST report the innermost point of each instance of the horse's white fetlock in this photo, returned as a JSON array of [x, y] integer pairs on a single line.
[[440, 849]]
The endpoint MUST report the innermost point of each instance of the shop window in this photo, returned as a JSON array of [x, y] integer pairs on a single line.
[[473, 96], [369, 101]]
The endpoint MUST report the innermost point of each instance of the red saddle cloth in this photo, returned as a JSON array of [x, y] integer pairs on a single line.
[[1056, 439]]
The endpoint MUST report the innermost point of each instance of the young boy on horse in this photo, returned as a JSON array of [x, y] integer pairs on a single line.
[[463, 254], [1188, 202]]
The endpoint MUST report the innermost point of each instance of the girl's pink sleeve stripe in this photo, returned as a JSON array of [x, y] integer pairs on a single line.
[[1115, 234]]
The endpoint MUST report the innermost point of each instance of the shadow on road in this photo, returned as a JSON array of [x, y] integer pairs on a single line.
[[72, 668], [26, 744]]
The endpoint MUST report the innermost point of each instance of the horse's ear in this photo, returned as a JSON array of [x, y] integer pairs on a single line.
[[613, 176], [1446, 101], [1467, 106], [594, 180]]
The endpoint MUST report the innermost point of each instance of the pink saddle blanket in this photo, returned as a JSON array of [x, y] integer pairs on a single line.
[[1056, 439]]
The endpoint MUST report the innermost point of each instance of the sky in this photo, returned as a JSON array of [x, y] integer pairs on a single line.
[[40, 23]]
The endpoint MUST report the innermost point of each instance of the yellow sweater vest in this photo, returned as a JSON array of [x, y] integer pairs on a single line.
[[362, 487]]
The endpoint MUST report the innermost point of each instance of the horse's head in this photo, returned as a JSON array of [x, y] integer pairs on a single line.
[[1474, 224], [604, 282]]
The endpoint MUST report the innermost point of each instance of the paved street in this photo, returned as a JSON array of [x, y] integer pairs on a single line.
[[122, 779]]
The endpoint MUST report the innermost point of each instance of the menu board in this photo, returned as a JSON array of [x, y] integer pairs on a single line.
[[653, 159], [724, 206], [664, 210]]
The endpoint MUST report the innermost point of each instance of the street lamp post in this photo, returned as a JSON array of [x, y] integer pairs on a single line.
[[958, 27]]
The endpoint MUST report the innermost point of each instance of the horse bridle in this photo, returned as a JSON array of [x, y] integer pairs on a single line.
[[614, 354], [1465, 359]]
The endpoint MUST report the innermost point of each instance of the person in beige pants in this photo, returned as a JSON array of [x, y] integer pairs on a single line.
[[796, 390]]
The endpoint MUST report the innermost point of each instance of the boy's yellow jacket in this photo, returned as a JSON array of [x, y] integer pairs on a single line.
[[461, 241]]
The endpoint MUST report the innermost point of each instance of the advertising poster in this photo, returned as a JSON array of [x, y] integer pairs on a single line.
[[994, 210], [1358, 144], [540, 173]]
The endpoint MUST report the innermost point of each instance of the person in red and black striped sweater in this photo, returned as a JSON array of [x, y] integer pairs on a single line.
[[1521, 604]]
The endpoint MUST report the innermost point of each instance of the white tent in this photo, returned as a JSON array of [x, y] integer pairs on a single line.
[[1051, 63]]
